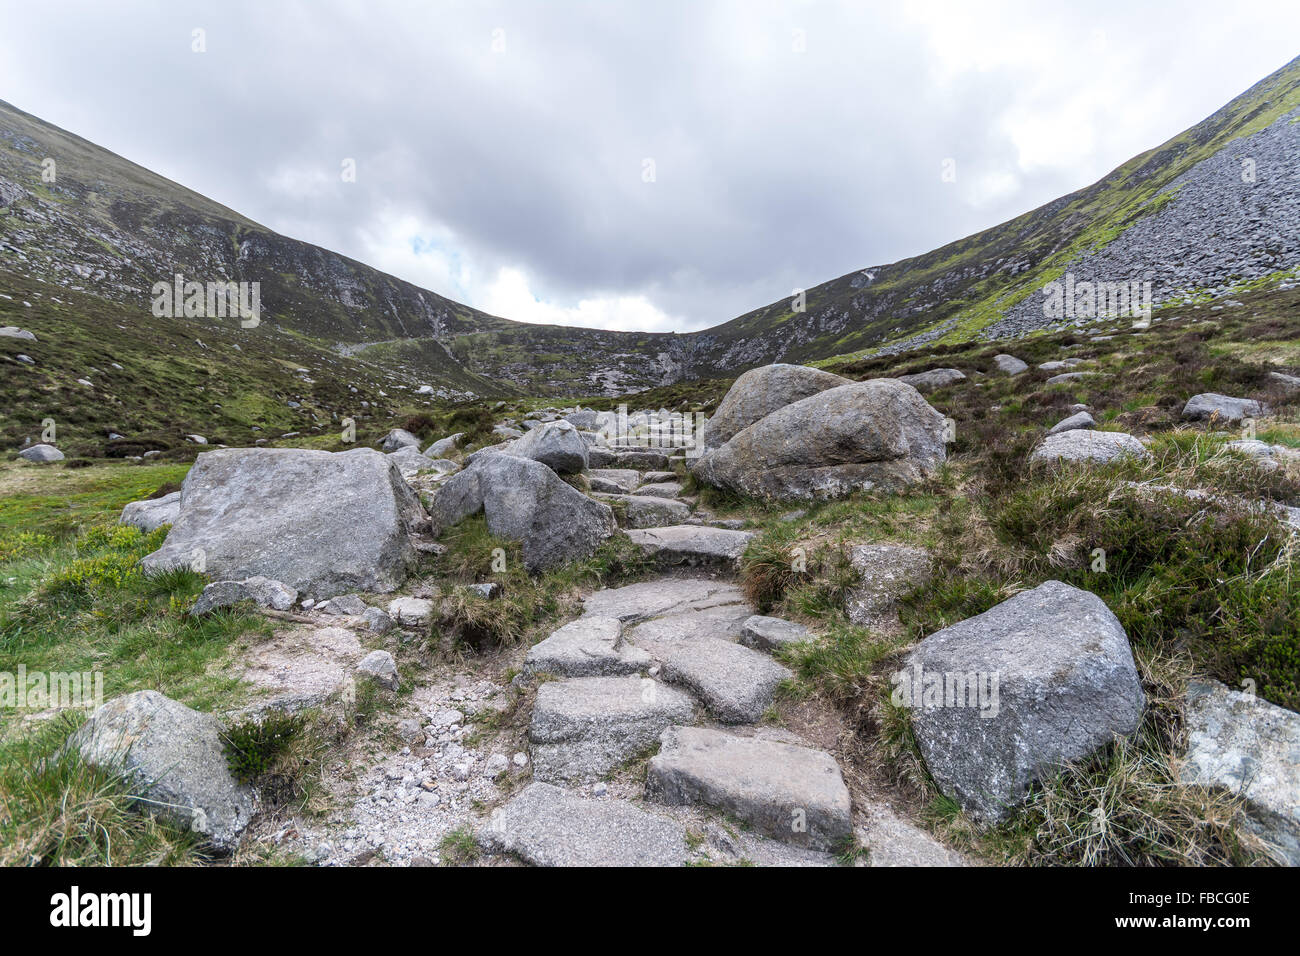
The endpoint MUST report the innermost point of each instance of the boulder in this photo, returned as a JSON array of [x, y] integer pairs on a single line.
[[409, 461], [410, 611], [1243, 744], [14, 332], [1004, 698], [259, 590], [174, 760], [886, 572], [444, 446], [584, 419], [1287, 384], [1222, 408], [615, 481], [323, 523], [878, 433], [1009, 364], [641, 511], [41, 454], [1066, 377], [933, 379], [399, 438], [547, 826], [524, 500], [152, 513], [761, 391], [1076, 421], [790, 793], [1084, 446], [557, 445]]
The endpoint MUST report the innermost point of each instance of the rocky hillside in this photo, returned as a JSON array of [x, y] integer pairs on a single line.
[[1209, 212]]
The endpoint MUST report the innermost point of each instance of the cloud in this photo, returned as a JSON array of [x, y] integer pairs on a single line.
[[500, 146]]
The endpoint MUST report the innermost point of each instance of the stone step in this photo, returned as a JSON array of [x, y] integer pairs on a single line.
[[771, 633], [584, 728], [647, 599], [693, 545], [736, 683], [660, 489], [591, 646], [618, 481], [645, 511], [791, 793], [547, 826]]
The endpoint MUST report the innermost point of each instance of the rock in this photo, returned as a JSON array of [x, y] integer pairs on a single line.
[[174, 760], [557, 445], [736, 683], [1076, 421], [506, 431], [495, 766], [588, 647], [344, 604], [878, 433], [13, 332], [584, 419], [617, 481], [41, 454], [196, 439], [793, 794], [644, 460], [1060, 364], [658, 477], [933, 379], [526, 501], [1066, 377], [1001, 699], [399, 438], [444, 446], [1009, 364], [380, 666], [641, 511], [300, 667], [152, 513], [1289, 384], [409, 461], [260, 590], [892, 841], [692, 545], [761, 391], [886, 573], [771, 633], [1081, 446], [1222, 408], [660, 489], [583, 728], [322, 523], [547, 826], [649, 599], [377, 620], [410, 611], [1247, 746]]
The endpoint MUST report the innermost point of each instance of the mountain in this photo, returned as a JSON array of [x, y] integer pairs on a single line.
[[1184, 216]]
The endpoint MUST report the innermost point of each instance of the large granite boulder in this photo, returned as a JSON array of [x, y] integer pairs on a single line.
[[557, 445], [524, 500], [1004, 698], [174, 760], [878, 433], [1222, 408], [934, 378], [761, 391], [1083, 447], [399, 438], [41, 454], [323, 523]]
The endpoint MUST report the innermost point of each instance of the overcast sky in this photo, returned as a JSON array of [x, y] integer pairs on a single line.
[[647, 165]]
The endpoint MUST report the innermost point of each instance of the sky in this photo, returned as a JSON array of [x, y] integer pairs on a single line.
[[652, 165]]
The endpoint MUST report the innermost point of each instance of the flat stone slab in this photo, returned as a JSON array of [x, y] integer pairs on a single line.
[[645, 511], [586, 727], [693, 545], [301, 667], [724, 621], [619, 481], [588, 647], [648, 599], [790, 793], [660, 489], [892, 841], [1081, 446], [547, 826], [736, 683], [771, 633], [1222, 408], [1249, 747]]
